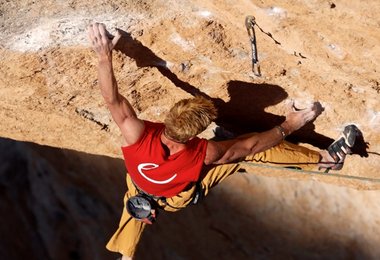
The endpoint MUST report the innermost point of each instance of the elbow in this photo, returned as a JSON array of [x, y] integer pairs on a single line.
[[110, 96], [111, 100], [252, 147]]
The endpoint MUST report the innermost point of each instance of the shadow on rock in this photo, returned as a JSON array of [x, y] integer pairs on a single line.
[[63, 204], [57, 203], [360, 146], [226, 227], [244, 113]]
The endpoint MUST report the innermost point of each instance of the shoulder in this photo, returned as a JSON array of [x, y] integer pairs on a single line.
[[147, 129]]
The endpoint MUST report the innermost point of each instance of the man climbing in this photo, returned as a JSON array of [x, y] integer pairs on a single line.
[[169, 167]]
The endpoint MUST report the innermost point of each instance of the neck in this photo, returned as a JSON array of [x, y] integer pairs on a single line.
[[172, 145]]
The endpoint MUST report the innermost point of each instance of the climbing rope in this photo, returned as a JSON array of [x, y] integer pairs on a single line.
[[250, 23], [312, 172]]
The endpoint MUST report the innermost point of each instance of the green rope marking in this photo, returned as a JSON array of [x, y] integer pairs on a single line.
[[312, 172]]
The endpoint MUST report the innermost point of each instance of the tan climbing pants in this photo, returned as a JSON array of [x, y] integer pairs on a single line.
[[128, 234]]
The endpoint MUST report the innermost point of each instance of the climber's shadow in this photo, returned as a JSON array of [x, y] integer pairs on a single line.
[[144, 57], [245, 111], [134, 49], [360, 146]]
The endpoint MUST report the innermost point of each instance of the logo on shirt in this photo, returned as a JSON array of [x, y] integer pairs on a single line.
[[149, 166]]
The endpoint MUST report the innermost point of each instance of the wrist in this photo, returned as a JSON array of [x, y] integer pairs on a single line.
[[281, 131], [286, 128]]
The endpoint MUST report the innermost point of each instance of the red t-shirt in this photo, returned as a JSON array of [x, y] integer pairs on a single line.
[[156, 173]]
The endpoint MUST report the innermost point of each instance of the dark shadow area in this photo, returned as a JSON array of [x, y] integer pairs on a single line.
[[221, 228], [308, 135], [144, 57], [62, 204], [57, 203], [361, 146], [244, 113]]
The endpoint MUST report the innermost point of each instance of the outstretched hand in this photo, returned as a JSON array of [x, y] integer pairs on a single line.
[[101, 39], [298, 118]]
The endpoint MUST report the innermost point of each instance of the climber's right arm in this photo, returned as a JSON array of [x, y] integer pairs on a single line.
[[121, 110]]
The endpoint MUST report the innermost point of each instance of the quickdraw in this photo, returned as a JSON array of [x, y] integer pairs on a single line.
[[250, 23]]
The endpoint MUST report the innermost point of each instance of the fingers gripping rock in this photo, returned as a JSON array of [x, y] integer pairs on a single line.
[[102, 41]]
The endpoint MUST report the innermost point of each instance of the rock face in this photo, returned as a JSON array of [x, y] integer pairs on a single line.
[[172, 50], [61, 173]]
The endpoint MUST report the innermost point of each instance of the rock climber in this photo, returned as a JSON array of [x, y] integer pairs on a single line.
[[169, 167]]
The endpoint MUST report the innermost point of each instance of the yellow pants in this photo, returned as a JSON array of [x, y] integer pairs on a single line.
[[128, 234]]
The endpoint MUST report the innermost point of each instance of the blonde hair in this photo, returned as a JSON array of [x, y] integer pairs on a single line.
[[188, 118]]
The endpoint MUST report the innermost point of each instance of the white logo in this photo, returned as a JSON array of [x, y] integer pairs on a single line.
[[150, 166]]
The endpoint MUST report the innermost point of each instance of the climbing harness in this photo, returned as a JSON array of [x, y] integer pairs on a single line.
[[144, 206], [250, 23]]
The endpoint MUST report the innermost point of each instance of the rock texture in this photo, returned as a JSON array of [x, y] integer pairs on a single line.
[[61, 173]]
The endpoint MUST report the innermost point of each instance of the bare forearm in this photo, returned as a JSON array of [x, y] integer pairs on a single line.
[[262, 141], [107, 81], [251, 144], [119, 106], [259, 142], [121, 110]]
